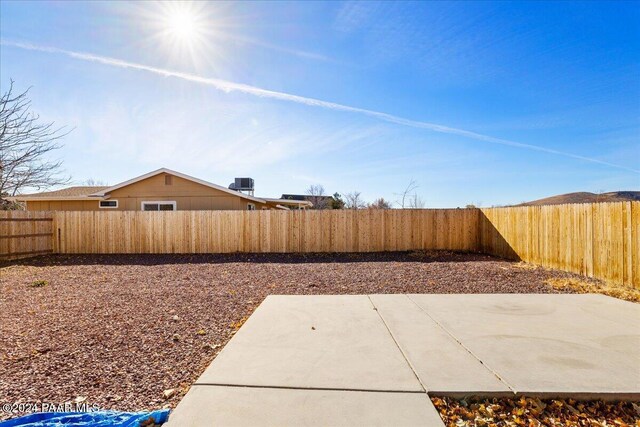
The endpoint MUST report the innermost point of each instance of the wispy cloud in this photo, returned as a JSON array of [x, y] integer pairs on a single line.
[[228, 86], [275, 47]]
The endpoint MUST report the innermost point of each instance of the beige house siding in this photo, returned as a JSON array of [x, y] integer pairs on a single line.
[[188, 195], [63, 205]]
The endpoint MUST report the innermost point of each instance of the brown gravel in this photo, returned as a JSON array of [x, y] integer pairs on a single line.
[[534, 412], [120, 330]]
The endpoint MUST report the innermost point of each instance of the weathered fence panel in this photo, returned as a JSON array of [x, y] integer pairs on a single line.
[[25, 234], [265, 231], [597, 240]]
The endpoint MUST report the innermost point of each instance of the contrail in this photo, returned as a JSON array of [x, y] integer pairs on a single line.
[[228, 86]]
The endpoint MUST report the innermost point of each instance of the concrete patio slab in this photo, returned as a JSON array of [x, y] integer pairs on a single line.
[[326, 341], [441, 363], [255, 407], [363, 360], [576, 345]]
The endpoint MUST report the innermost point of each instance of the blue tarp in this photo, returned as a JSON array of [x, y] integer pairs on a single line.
[[88, 419]]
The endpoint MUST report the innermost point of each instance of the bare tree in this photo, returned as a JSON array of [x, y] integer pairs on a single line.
[[354, 200], [409, 197], [317, 196], [380, 203], [25, 146], [415, 202]]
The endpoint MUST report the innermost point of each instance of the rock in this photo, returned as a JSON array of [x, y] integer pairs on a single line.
[[175, 318], [201, 332], [176, 337], [79, 399], [169, 393], [211, 347]]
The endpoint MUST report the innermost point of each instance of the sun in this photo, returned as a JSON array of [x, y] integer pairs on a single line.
[[182, 24], [185, 34]]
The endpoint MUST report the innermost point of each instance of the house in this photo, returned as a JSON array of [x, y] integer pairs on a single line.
[[319, 202], [160, 190]]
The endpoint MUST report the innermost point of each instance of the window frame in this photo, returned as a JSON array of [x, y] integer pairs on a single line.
[[159, 202], [107, 207], [251, 206]]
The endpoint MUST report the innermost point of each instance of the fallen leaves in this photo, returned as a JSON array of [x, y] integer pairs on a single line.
[[38, 283], [525, 266], [237, 325], [534, 412], [584, 287]]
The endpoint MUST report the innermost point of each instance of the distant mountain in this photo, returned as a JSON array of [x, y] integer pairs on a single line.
[[584, 197]]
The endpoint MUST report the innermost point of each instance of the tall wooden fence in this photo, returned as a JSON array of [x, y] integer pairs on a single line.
[[25, 234], [266, 231], [598, 240]]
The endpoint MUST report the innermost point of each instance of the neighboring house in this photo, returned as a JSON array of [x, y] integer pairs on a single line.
[[317, 201], [160, 190]]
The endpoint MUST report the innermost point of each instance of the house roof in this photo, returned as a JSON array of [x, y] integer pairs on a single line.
[[76, 191], [101, 192], [306, 197], [289, 202], [105, 191]]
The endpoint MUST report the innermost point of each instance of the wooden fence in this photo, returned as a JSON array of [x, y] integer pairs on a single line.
[[25, 234], [598, 240], [266, 231]]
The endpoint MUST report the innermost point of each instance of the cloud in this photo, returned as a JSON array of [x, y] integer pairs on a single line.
[[228, 86], [277, 48]]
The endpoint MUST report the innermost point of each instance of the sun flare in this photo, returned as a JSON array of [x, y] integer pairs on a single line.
[[185, 33], [183, 24]]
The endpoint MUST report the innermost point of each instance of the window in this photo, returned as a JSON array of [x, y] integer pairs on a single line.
[[168, 180], [109, 204], [159, 206], [251, 207]]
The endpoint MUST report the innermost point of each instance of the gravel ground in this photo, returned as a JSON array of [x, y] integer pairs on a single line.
[[120, 330]]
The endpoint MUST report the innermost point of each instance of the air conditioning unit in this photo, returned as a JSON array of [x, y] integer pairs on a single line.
[[242, 184]]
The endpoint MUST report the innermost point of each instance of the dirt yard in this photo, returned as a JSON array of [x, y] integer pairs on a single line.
[[121, 332]]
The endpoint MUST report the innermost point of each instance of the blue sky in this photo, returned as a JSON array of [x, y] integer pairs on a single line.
[[529, 99]]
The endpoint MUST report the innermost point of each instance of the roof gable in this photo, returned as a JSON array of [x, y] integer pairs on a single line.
[[103, 192]]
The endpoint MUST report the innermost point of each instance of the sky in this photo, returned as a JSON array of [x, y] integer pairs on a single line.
[[478, 102]]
